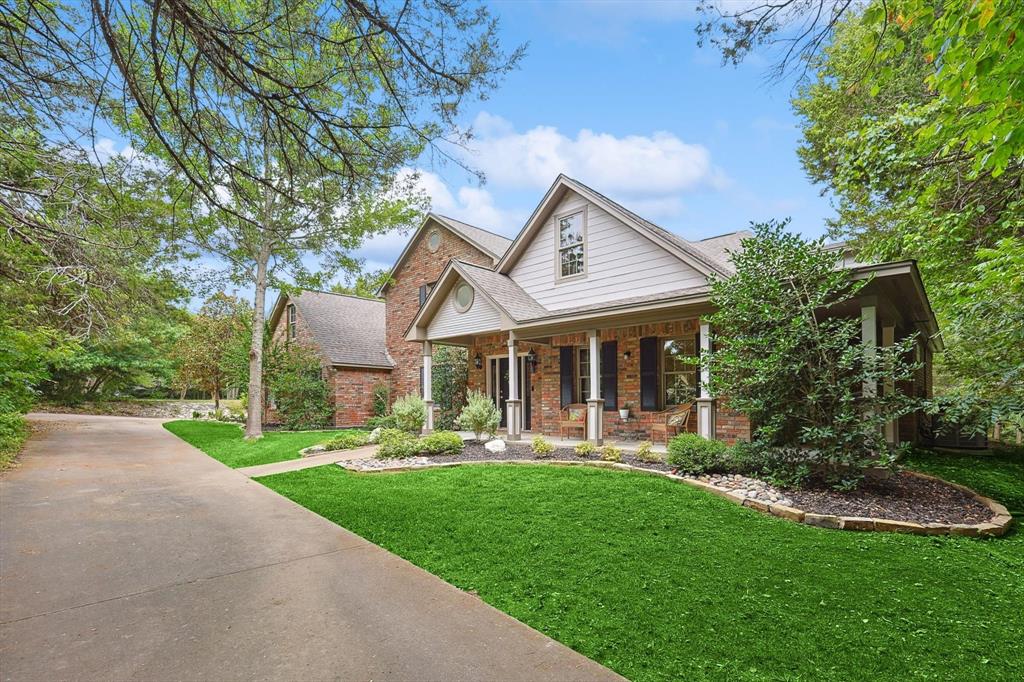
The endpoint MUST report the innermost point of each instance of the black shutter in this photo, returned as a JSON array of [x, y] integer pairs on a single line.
[[610, 375], [649, 373], [565, 374], [423, 294]]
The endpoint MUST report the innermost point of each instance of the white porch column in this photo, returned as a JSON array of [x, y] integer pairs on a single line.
[[888, 339], [514, 404], [706, 401], [869, 340], [595, 404], [428, 384]]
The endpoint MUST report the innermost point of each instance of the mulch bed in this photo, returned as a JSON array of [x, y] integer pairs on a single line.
[[476, 452], [903, 497]]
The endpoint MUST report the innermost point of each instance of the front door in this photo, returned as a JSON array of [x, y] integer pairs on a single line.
[[498, 368]]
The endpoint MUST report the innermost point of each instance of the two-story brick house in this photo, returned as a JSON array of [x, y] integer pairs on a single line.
[[362, 341]]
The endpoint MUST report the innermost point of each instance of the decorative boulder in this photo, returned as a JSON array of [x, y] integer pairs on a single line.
[[375, 435], [496, 445]]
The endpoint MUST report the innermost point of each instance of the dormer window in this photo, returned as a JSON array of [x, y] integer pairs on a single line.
[[292, 318], [572, 248]]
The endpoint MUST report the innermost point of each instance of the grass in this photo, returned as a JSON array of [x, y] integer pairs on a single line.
[[660, 581], [226, 443]]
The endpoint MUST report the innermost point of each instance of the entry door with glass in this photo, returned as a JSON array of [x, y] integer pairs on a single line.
[[497, 369]]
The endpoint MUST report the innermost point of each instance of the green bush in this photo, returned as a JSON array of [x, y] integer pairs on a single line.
[[396, 443], [694, 454], [479, 415], [381, 399], [13, 432], [410, 413], [384, 422], [584, 449], [610, 453], [294, 377], [347, 440], [541, 447], [645, 453], [441, 443]]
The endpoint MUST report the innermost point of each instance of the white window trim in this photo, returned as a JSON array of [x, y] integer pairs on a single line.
[[664, 373], [455, 297], [557, 239], [292, 323]]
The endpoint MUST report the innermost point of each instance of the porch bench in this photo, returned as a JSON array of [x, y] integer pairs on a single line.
[[670, 422], [573, 416]]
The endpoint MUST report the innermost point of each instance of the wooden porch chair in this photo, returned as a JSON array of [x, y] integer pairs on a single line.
[[573, 416], [670, 422]]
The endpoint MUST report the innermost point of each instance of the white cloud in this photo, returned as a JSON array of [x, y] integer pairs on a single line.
[[640, 170]]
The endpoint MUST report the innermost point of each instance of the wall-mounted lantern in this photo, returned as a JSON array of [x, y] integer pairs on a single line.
[[478, 361], [531, 360], [626, 355]]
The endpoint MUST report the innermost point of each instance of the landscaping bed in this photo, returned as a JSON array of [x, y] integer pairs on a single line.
[[903, 497], [905, 502]]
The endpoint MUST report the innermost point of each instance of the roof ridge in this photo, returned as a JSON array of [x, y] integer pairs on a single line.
[[724, 234], [336, 293], [477, 227]]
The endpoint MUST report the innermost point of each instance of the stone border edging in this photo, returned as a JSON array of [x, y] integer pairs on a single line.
[[997, 526]]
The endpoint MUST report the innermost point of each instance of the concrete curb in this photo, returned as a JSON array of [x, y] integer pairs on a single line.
[[998, 525]]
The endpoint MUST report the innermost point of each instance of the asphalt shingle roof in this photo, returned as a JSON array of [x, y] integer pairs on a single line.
[[349, 330], [505, 292], [494, 243]]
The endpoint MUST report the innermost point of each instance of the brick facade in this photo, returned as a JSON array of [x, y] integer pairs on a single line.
[[545, 391], [350, 388], [403, 301]]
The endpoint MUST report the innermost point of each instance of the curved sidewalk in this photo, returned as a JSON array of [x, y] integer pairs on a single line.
[[127, 554]]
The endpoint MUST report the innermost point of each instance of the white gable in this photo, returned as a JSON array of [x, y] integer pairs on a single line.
[[447, 321], [621, 263]]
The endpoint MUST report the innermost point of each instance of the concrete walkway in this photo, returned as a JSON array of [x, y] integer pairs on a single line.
[[308, 462], [127, 554]]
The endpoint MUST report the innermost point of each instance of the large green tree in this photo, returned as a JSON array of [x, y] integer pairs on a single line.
[[203, 354], [913, 119]]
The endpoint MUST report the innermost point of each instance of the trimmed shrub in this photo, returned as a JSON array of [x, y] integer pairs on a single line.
[[381, 399], [584, 449], [541, 447], [610, 453], [645, 453], [410, 413], [384, 422], [347, 440], [479, 415], [694, 454], [396, 443], [441, 443]]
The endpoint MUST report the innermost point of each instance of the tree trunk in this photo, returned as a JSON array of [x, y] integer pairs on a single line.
[[216, 396], [254, 419]]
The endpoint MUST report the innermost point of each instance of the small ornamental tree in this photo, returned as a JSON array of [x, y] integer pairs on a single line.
[[294, 377], [202, 353], [479, 415], [794, 367]]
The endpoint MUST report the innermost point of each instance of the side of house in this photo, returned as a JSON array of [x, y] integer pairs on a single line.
[[347, 332]]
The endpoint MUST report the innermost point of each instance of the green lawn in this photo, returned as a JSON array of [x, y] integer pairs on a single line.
[[660, 581], [225, 442]]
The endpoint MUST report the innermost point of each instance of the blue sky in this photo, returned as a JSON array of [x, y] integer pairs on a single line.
[[619, 96]]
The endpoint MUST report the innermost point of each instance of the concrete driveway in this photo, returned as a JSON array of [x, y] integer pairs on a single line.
[[127, 554]]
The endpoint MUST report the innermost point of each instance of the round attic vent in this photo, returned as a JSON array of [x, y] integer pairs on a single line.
[[434, 241], [463, 297]]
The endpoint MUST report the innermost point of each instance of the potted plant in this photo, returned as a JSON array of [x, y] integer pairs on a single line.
[[624, 412]]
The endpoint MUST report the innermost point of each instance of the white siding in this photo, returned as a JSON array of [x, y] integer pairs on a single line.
[[481, 317], [620, 263]]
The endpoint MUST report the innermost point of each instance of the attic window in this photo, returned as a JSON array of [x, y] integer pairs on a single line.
[[291, 320], [571, 244], [434, 241], [463, 299]]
